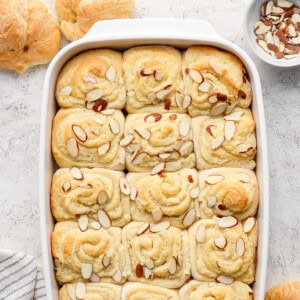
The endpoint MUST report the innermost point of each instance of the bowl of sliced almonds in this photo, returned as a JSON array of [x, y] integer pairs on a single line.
[[273, 31]]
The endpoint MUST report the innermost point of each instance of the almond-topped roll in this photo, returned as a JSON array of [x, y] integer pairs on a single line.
[[90, 291], [197, 290], [157, 142], [93, 80], [140, 291], [223, 250], [225, 141], [228, 192], [85, 194], [168, 196], [157, 254], [153, 79], [215, 81], [84, 138], [90, 255]]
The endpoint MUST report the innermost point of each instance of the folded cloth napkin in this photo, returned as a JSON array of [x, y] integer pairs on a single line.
[[20, 277]]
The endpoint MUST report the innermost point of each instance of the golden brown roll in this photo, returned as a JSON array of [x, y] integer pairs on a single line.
[[88, 192], [90, 291], [153, 80], [84, 138], [156, 142], [87, 255], [29, 34], [157, 254], [140, 291], [215, 81], [169, 196], [92, 79], [284, 291], [227, 141], [224, 250], [197, 290], [228, 192], [78, 16]]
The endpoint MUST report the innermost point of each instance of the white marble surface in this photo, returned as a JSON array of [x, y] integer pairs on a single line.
[[20, 107]]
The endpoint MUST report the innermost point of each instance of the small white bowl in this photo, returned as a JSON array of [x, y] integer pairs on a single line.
[[252, 16]]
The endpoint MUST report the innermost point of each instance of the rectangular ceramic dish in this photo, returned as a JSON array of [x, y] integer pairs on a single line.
[[122, 34]]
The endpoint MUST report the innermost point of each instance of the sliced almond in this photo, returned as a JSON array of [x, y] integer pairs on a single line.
[[220, 242], [290, 56], [139, 158], [127, 140], [152, 118], [261, 28], [99, 120], [234, 116], [240, 247], [158, 168], [200, 233], [295, 18], [102, 197], [186, 148], [114, 126], [204, 87], [79, 132], [76, 173], [143, 228], [104, 218], [173, 264], [162, 94], [213, 99], [158, 75], [117, 276], [151, 96], [143, 133], [71, 291], [244, 147], [225, 279], [194, 192], [295, 40], [184, 126], [249, 224], [72, 147], [65, 91], [83, 222], [216, 143], [216, 67], [80, 290], [212, 130], [108, 112], [229, 130], [106, 260], [218, 109], [89, 79], [86, 271], [139, 270], [227, 222], [172, 166], [133, 193], [124, 186], [164, 155], [94, 278], [213, 179], [178, 98], [111, 73], [150, 263], [103, 149], [211, 201], [268, 8], [277, 10], [95, 225], [85, 186], [196, 75], [189, 217], [94, 95], [186, 101], [157, 214], [66, 187], [160, 227], [148, 273], [284, 3], [244, 177]]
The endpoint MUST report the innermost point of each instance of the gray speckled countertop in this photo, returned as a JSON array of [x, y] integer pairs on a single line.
[[20, 108]]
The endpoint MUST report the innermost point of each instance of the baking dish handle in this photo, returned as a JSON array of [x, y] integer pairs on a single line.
[[163, 27]]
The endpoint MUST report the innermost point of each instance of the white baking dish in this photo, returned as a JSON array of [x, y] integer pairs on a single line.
[[122, 34]]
